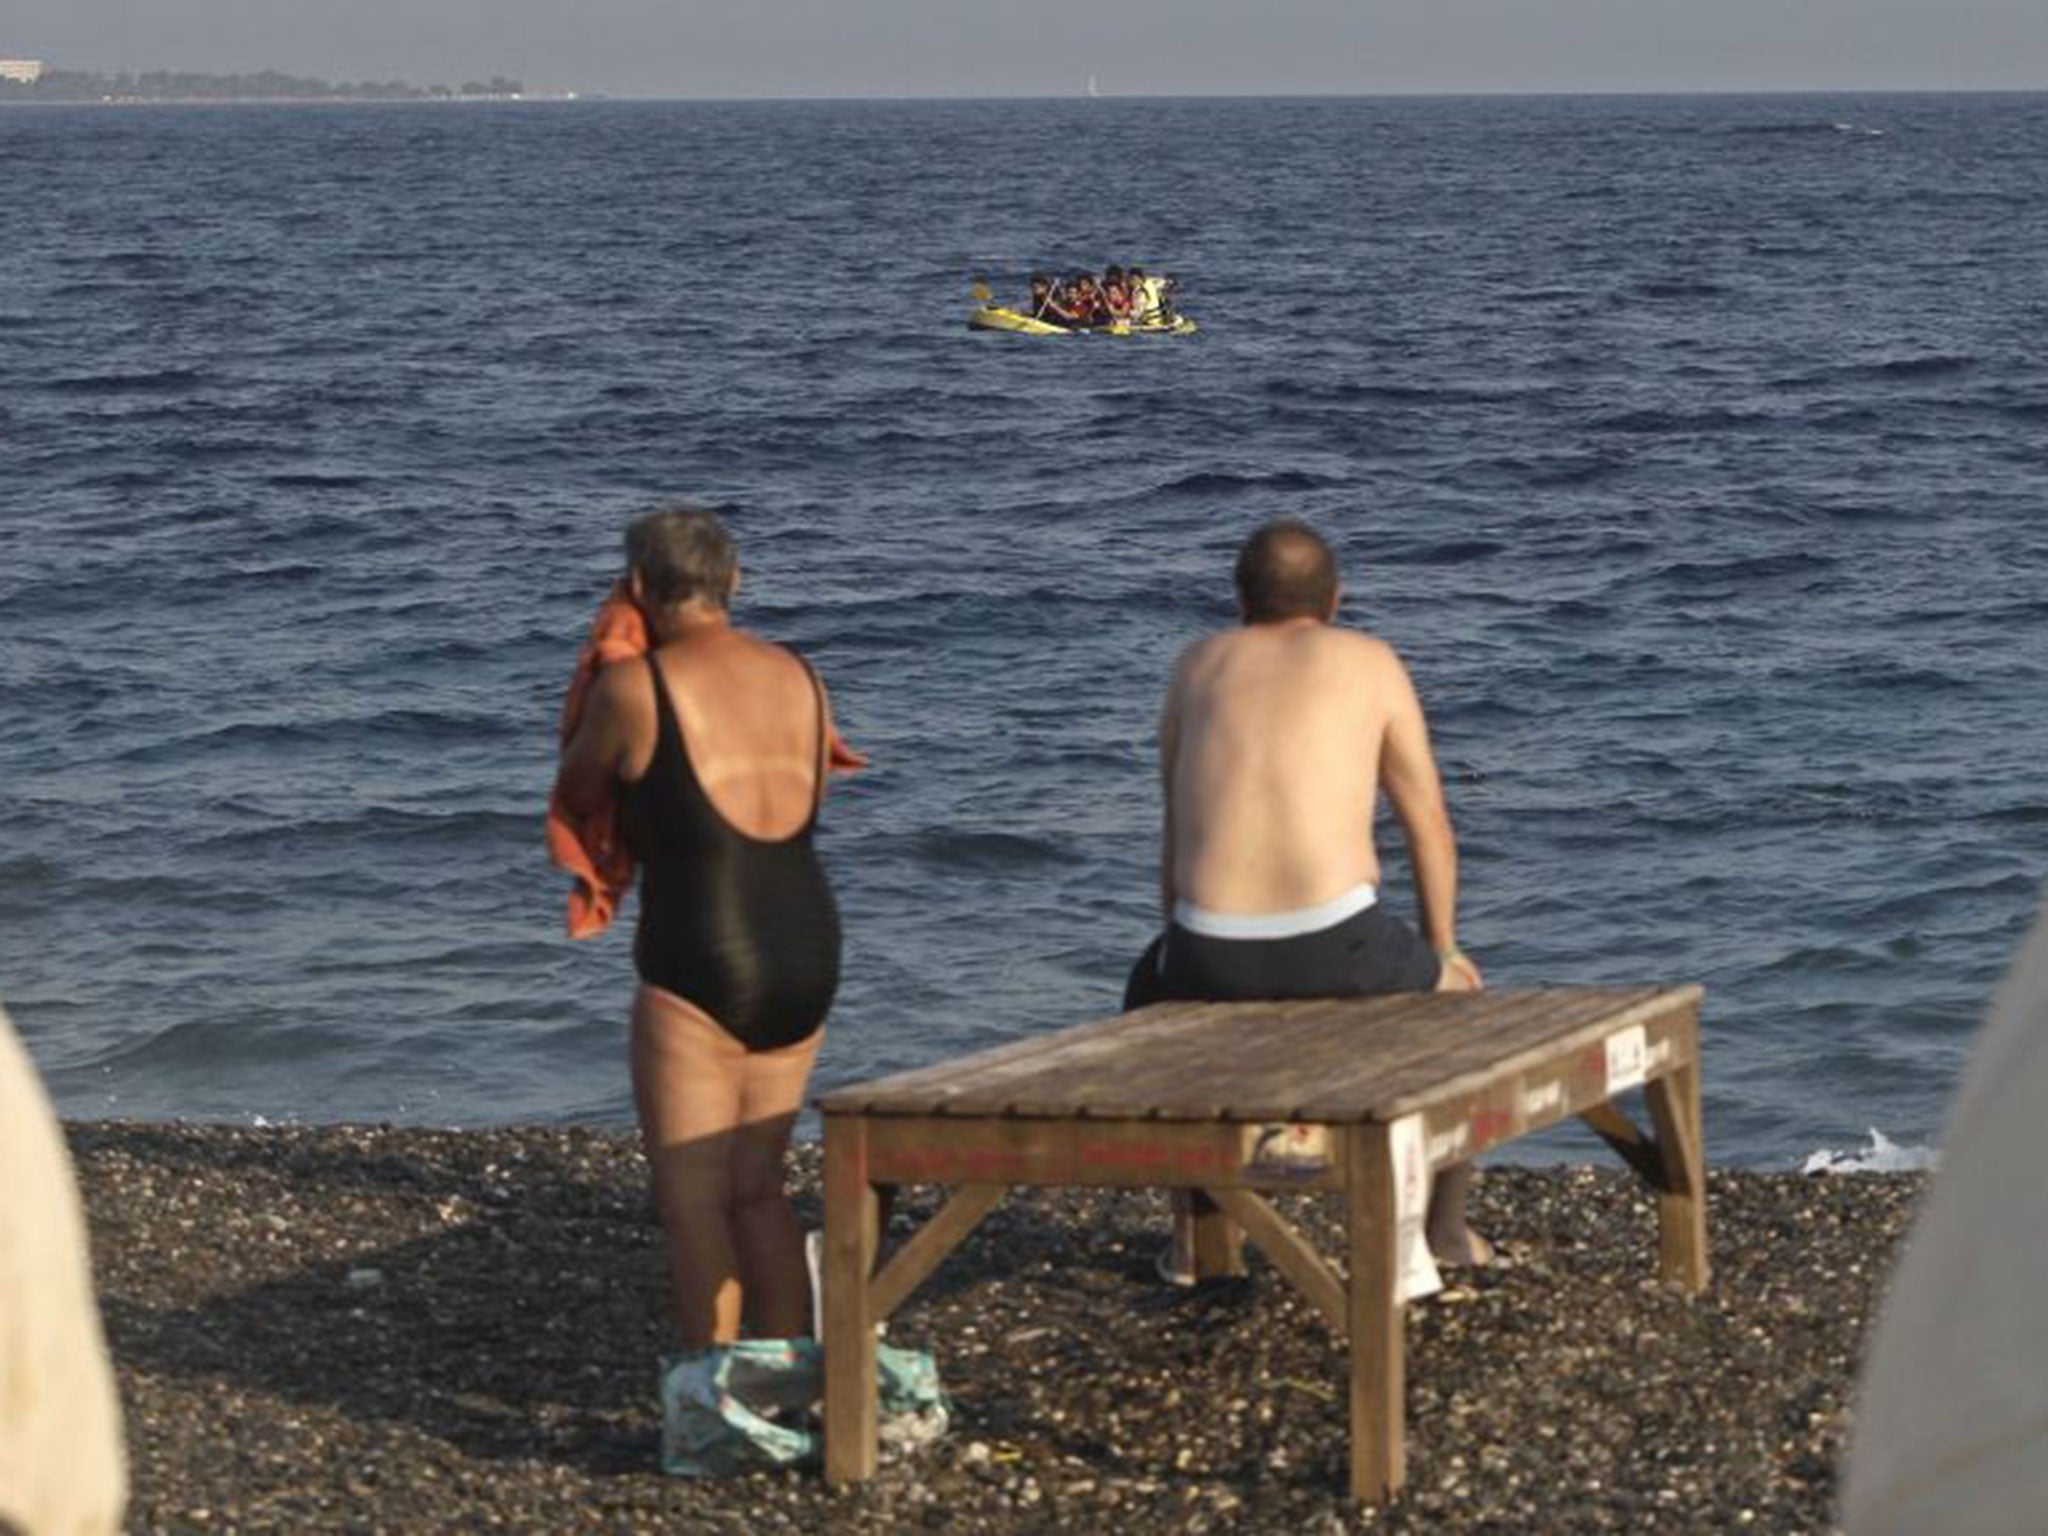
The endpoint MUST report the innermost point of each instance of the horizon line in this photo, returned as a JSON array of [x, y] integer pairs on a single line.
[[554, 95]]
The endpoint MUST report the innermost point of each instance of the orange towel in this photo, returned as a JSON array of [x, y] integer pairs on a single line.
[[588, 847]]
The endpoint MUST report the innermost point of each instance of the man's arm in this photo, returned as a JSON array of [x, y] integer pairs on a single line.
[[1408, 773], [1169, 752]]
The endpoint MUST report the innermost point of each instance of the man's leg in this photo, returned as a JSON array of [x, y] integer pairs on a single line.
[[1451, 1241], [1175, 1263]]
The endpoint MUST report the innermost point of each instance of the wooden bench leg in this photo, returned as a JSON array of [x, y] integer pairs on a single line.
[[852, 1235], [1378, 1425], [1218, 1241], [1628, 1142], [1674, 1104], [1205, 1233]]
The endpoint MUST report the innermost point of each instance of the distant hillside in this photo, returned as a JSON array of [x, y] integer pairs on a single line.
[[265, 85]]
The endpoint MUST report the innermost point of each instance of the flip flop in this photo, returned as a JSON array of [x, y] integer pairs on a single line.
[[1480, 1253], [1165, 1264]]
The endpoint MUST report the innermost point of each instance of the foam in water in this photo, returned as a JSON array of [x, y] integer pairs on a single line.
[[1883, 1155]]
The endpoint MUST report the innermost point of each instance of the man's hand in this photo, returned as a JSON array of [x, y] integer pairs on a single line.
[[1460, 973]]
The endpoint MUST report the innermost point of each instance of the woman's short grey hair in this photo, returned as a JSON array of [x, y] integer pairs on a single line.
[[679, 554]]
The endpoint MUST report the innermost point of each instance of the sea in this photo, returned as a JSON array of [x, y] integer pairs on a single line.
[[1693, 451]]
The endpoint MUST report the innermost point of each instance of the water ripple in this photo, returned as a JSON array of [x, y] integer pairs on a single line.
[[1683, 447]]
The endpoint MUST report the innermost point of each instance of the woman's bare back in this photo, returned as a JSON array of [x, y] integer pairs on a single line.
[[751, 722]]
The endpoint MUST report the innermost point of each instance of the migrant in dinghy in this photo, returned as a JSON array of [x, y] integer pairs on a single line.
[[1121, 304]]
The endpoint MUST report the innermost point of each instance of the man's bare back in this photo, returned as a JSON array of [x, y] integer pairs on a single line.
[[1275, 742]]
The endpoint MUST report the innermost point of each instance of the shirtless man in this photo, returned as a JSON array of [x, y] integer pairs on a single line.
[[1276, 740]]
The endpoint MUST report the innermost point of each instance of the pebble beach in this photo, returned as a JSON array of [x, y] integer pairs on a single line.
[[372, 1329], [1682, 443]]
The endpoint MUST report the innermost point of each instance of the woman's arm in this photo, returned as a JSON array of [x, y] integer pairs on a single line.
[[593, 757], [841, 756]]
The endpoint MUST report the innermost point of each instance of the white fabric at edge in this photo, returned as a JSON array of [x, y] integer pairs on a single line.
[[1951, 1428], [62, 1468]]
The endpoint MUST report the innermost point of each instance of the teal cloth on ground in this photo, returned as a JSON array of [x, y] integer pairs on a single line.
[[737, 1408]]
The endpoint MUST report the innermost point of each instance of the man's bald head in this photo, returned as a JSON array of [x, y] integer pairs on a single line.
[[1286, 571]]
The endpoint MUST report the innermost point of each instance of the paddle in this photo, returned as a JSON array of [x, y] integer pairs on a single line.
[[980, 293]]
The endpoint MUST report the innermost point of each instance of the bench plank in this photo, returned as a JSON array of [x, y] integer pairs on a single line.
[[938, 1088], [1459, 1030], [1334, 1060], [1487, 1055], [1294, 1058]]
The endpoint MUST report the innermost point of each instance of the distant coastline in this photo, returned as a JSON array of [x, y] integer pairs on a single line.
[[74, 86]]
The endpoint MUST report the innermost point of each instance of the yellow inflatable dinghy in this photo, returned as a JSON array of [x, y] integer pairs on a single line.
[[991, 316]]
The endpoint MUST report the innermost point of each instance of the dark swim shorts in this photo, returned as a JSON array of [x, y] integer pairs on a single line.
[[1372, 951]]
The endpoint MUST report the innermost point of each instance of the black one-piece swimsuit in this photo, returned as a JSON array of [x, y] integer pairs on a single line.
[[743, 927]]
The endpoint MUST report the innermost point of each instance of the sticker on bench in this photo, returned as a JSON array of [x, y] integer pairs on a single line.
[[1286, 1151], [1626, 1064], [1541, 1099], [1418, 1276], [1447, 1146]]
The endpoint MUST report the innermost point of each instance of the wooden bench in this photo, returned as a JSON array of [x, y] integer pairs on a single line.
[[1366, 1096]]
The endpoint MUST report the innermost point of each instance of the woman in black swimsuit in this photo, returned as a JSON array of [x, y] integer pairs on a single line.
[[717, 745]]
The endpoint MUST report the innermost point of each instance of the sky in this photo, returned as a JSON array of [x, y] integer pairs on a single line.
[[1050, 47]]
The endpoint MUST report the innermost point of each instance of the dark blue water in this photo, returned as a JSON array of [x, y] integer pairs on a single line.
[[1691, 450]]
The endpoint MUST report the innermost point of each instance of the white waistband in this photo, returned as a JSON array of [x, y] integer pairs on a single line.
[[1275, 925]]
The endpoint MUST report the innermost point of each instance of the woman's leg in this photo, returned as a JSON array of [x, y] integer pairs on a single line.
[[687, 1081], [774, 1280]]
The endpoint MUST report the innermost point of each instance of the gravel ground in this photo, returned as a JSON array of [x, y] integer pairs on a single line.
[[327, 1329]]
